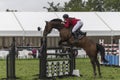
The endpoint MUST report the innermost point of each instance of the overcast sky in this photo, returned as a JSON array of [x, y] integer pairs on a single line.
[[27, 5]]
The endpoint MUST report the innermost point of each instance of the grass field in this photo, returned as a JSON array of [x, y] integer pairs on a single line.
[[27, 70]]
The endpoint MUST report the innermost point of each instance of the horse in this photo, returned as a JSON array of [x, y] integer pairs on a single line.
[[91, 48]]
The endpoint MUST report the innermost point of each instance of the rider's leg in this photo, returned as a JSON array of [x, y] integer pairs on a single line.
[[79, 26], [75, 35], [75, 28]]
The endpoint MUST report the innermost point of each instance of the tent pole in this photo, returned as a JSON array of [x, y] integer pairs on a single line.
[[21, 28], [108, 27]]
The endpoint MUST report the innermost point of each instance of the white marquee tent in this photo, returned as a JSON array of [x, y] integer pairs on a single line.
[[26, 23]]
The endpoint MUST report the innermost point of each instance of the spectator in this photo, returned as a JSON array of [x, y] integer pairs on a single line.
[[34, 52]]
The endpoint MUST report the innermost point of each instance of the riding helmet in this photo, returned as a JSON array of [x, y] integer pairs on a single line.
[[65, 16]]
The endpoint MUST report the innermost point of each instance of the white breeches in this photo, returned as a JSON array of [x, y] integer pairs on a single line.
[[78, 25]]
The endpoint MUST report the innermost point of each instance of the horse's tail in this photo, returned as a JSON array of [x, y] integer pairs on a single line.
[[101, 49]]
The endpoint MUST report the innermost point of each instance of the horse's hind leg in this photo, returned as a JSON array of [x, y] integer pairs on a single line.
[[98, 66], [94, 67]]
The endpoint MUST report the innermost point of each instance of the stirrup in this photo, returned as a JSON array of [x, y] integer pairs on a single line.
[[82, 33]]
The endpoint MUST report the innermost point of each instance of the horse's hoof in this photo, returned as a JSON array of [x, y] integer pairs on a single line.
[[100, 76], [81, 75], [95, 75]]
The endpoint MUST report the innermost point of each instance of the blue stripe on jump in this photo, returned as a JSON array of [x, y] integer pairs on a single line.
[[113, 60]]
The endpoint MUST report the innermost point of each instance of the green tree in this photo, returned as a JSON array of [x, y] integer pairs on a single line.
[[52, 7], [83, 5], [103, 5], [95, 5], [112, 5], [74, 5]]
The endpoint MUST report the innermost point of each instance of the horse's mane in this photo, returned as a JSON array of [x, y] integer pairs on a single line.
[[56, 20], [59, 21]]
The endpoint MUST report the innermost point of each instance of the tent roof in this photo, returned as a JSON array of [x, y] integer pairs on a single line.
[[29, 21], [8, 22]]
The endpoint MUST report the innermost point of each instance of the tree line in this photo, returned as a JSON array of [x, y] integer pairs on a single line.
[[83, 5]]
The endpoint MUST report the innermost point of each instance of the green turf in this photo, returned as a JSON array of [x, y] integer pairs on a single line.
[[29, 68]]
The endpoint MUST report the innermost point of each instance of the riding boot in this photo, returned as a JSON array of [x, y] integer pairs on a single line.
[[75, 36], [82, 33]]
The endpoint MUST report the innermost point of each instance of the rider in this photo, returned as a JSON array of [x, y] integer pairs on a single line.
[[76, 23]]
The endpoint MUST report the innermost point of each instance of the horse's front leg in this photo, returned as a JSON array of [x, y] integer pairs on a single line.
[[60, 42]]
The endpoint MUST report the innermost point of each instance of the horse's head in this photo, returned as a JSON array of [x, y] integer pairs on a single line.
[[55, 23], [48, 28]]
